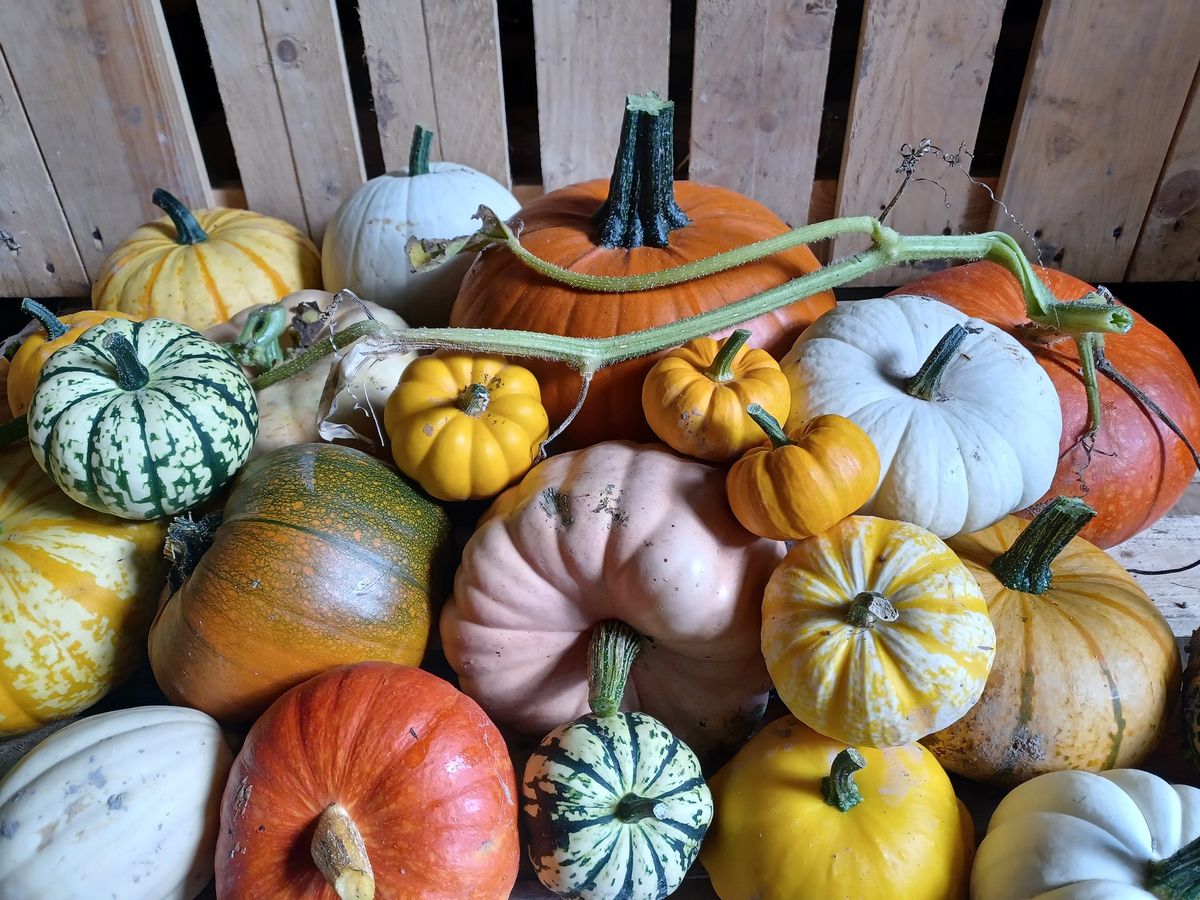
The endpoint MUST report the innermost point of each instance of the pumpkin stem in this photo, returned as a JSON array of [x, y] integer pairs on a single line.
[[925, 385], [52, 323], [838, 787], [769, 425], [641, 210], [187, 229], [870, 607], [418, 151], [611, 653], [131, 374], [1025, 566], [474, 399], [339, 852], [1178, 876], [722, 364], [634, 808], [187, 540], [258, 347]]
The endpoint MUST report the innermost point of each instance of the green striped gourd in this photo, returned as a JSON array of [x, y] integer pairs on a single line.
[[142, 419], [615, 806]]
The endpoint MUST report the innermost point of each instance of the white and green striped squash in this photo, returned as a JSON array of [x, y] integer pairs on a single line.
[[142, 419]]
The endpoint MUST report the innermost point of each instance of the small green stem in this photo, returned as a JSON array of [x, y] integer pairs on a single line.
[[1026, 565], [926, 384], [838, 787], [52, 323], [611, 653], [721, 369], [474, 399], [633, 808], [187, 229], [418, 151], [258, 347], [1178, 876], [870, 607], [131, 374], [1088, 345], [769, 425], [14, 430]]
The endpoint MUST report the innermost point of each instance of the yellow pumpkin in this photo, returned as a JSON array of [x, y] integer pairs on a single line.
[[465, 427], [77, 593], [26, 365], [695, 397], [875, 633], [802, 482], [787, 824], [204, 267]]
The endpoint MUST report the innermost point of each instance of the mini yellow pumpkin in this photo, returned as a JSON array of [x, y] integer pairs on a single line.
[[802, 482], [800, 815], [204, 267], [875, 633], [695, 397], [465, 427]]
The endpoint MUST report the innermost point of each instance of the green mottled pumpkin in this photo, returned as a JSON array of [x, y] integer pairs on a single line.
[[325, 557]]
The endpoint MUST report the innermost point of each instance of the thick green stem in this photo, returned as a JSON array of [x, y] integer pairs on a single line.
[[474, 399], [1026, 565], [769, 425], [258, 347], [1088, 345], [838, 787], [633, 808], [870, 607], [418, 151], [52, 323], [926, 384], [611, 653], [641, 210], [131, 374], [721, 369], [1178, 876], [187, 229]]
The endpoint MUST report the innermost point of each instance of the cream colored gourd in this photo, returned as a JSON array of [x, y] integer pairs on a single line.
[[122, 804], [972, 439], [1124, 834], [364, 246]]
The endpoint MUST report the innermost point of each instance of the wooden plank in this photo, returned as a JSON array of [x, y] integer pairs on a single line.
[[1099, 106], [922, 72], [37, 256], [1168, 248], [100, 85], [758, 89], [589, 54], [253, 108]]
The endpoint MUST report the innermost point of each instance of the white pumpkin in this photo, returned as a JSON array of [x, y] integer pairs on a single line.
[[1117, 835], [122, 804], [364, 247], [984, 444]]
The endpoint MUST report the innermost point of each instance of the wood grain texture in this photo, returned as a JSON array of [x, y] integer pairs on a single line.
[[758, 90], [37, 255], [100, 85], [922, 72], [589, 55], [1168, 248], [1107, 83]]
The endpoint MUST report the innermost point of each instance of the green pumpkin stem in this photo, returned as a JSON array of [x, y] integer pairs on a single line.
[[1178, 876], [769, 425], [474, 399], [634, 808], [721, 369], [418, 151], [131, 374], [641, 210], [611, 653], [258, 347], [187, 229], [1026, 565], [838, 787], [52, 323], [926, 383], [870, 607], [339, 851]]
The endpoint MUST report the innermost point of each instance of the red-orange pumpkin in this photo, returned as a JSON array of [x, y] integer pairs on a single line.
[[1138, 469], [415, 770], [651, 231]]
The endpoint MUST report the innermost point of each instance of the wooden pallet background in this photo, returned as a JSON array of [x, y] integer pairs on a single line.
[[1081, 114]]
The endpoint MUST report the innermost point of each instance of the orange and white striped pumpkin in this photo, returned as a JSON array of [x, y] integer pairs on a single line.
[[77, 593], [204, 267]]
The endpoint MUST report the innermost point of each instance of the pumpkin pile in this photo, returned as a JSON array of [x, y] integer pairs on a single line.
[[429, 608]]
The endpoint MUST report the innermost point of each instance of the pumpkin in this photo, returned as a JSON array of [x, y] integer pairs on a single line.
[[124, 803], [1086, 669], [76, 597], [205, 266], [142, 419], [1189, 708], [1137, 469], [614, 804], [875, 634], [695, 397], [26, 365], [290, 411], [802, 483], [1118, 835], [616, 531], [364, 242], [645, 223], [399, 783], [464, 426], [965, 422], [324, 557], [801, 815]]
